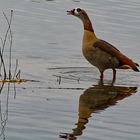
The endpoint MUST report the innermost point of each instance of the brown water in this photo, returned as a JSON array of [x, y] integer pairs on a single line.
[[69, 102]]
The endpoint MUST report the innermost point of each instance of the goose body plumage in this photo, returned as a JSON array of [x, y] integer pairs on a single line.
[[98, 52]]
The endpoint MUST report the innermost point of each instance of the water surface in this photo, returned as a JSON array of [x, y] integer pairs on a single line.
[[69, 102]]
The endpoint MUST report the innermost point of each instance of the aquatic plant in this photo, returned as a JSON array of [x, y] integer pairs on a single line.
[[6, 42]]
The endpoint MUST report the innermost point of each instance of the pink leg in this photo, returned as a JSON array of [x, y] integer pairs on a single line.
[[114, 74], [101, 76]]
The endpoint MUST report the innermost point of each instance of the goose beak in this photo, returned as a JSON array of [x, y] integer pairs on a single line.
[[70, 12]]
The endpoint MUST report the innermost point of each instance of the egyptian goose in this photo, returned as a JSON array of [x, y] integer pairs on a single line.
[[98, 52]]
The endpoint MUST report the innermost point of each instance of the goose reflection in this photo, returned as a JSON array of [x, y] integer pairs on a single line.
[[96, 99]]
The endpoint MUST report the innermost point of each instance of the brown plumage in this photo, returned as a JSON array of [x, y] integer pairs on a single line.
[[98, 52]]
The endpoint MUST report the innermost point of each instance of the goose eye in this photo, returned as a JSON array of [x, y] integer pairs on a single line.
[[79, 10]]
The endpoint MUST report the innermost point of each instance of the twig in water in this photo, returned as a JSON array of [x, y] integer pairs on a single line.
[[59, 80], [15, 73], [18, 74], [2, 63], [10, 40], [64, 77], [4, 115]]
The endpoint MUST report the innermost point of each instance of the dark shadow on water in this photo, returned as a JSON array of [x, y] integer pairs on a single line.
[[96, 99]]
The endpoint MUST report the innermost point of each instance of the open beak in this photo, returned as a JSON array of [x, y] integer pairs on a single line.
[[70, 12]]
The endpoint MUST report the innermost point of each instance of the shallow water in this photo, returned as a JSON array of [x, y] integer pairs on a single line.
[[69, 102]]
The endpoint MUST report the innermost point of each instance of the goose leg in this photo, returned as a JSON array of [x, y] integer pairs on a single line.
[[114, 74], [101, 76]]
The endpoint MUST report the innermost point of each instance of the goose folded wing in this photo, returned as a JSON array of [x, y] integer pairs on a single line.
[[124, 60]]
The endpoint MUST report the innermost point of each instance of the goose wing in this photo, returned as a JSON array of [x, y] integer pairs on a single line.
[[107, 47]]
